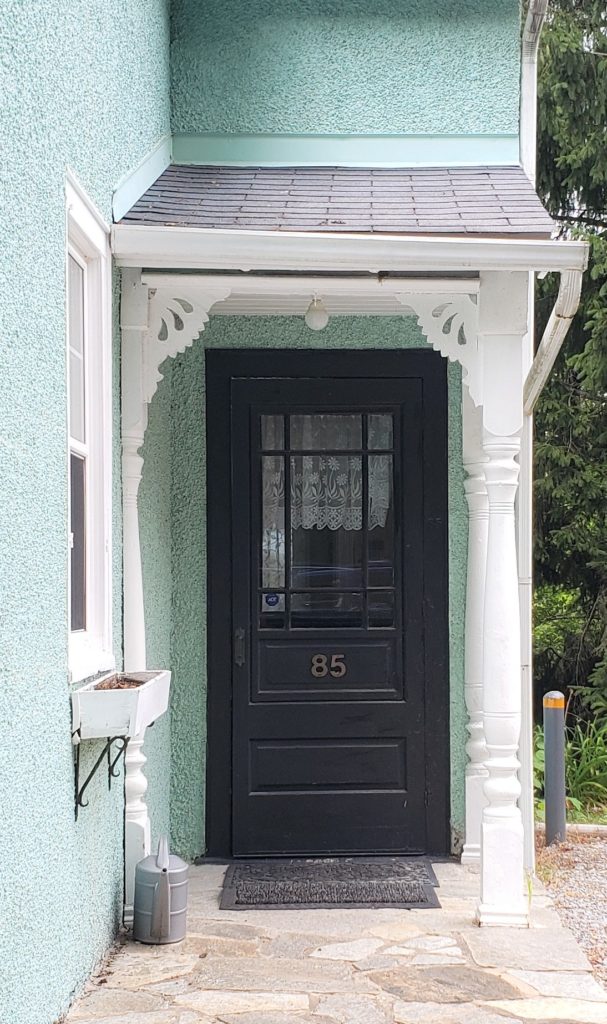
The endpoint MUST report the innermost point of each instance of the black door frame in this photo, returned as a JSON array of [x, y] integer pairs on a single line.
[[221, 366]]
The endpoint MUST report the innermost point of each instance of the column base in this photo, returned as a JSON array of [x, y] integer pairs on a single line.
[[502, 897], [475, 802], [491, 917], [471, 854]]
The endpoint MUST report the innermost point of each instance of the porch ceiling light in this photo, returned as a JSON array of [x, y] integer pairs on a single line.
[[316, 315]]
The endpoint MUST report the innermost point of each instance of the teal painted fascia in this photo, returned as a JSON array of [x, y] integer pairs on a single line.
[[276, 150], [136, 182]]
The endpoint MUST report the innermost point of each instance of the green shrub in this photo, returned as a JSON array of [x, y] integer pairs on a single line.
[[585, 765]]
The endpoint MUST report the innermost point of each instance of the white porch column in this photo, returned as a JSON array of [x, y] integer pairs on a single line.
[[157, 324], [134, 324], [478, 521], [502, 326]]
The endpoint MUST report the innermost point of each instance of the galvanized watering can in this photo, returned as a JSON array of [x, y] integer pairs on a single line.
[[161, 897]]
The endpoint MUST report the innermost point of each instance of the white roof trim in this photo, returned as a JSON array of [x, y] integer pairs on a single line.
[[215, 249]]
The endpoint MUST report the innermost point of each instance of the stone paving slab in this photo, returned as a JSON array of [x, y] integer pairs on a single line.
[[562, 984], [291, 945], [441, 1013], [565, 1011], [108, 1001], [349, 967], [216, 1004], [265, 975], [451, 984], [355, 1009], [535, 949], [168, 1015], [275, 1018], [357, 949], [136, 971]]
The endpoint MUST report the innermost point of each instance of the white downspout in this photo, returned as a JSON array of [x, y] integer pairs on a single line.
[[536, 13]]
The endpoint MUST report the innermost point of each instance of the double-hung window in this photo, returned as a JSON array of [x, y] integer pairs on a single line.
[[90, 436]]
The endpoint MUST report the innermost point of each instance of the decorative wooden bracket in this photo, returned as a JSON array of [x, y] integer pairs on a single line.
[[175, 321], [157, 324], [450, 324]]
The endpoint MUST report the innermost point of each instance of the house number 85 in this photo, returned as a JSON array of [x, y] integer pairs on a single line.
[[323, 665]]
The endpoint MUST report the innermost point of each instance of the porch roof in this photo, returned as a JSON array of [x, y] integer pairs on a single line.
[[464, 201]]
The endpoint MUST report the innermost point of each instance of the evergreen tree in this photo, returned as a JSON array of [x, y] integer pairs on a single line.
[[571, 425]]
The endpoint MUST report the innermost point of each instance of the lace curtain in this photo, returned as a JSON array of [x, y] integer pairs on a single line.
[[327, 490]]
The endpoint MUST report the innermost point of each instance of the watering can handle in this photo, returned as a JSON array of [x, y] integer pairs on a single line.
[[160, 927]]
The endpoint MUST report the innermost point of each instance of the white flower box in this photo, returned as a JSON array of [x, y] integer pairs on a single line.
[[99, 713]]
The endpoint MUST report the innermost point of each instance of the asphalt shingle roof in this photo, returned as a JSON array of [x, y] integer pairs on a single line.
[[428, 200]]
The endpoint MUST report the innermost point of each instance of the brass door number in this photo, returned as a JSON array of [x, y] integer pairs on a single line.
[[328, 665]]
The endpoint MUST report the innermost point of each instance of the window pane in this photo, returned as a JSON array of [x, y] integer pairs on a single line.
[[272, 432], [326, 521], [380, 431], [326, 432], [77, 397], [381, 609], [326, 610], [381, 522], [272, 611], [75, 326], [273, 522], [78, 542]]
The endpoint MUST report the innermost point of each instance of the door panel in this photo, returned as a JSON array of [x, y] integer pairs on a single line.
[[360, 669], [328, 698]]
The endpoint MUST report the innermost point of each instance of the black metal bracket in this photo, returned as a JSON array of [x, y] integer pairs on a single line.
[[112, 773]]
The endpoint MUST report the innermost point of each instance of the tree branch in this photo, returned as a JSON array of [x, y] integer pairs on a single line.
[[595, 222]]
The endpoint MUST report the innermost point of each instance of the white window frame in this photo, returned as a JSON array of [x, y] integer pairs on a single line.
[[88, 241]]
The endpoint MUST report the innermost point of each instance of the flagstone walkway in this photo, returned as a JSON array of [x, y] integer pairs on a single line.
[[348, 967]]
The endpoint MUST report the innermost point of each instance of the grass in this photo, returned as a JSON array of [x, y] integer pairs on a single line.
[[585, 816]]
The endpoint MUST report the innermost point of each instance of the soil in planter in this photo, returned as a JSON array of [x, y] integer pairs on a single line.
[[120, 683]]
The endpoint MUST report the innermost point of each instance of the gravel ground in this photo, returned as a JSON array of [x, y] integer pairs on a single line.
[[575, 874]]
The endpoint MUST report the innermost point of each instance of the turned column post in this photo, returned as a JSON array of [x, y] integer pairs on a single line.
[[502, 326], [158, 321], [478, 521], [134, 325]]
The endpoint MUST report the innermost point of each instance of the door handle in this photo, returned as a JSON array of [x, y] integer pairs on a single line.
[[239, 647]]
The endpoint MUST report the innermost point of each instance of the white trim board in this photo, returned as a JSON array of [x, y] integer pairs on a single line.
[[137, 182], [376, 150], [277, 295], [176, 248]]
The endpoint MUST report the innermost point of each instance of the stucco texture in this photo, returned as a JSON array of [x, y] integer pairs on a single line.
[[83, 85], [186, 428], [345, 66]]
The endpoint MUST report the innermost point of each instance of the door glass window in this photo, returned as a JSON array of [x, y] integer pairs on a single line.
[[273, 522], [326, 432], [272, 432], [380, 431], [381, 522], [328, 539]]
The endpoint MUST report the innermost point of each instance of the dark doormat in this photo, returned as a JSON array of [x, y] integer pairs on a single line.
[[344, 882]]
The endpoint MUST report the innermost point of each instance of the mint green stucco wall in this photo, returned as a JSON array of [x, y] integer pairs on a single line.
[[83, 84], [345, 66], [183, 504]]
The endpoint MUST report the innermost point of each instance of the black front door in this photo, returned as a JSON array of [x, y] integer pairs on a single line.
[[328, 595]]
